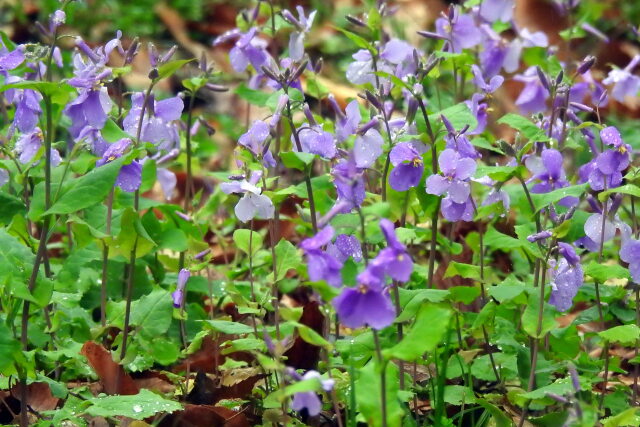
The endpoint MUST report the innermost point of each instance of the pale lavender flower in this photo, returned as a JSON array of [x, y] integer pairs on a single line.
[[461, 31], [566, 277], [253, 204], [303, 25], [630, 253], [367, 148], [625, 84], [28, 145], [497, 10], [533, 97], [408, 167], [309, 399], [321, 265]]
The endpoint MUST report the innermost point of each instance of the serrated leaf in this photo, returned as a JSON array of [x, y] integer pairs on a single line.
[[467, 271], [247, 241]]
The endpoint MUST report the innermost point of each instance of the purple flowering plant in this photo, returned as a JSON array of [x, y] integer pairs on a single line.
[[318, 223]]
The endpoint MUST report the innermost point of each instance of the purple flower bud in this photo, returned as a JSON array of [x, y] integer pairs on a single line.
[[369, 125], [215, 87], [82, 45], [309, 115], [132, 51], [558, 398], [539, 236], [202, 254], [178, 294], [543, 79], [586, 64], [575, 380], [430, 35], [559, 77], [153, 54], [167, 56], [356, 21], [581, 107], [593, 30], [373, 100]]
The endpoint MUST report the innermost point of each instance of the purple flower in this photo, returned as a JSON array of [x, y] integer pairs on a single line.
[[396, 58], [367, 148], [408, 167], [28, 145], [458, 142], [534, 95], [454, 180], [461, 31], [566, 277], [253, 204], [368, 303], [479, 110], [497, 10], [158, 125], [248, 49], [28, 110], [130, 175], [594, 230], [589, 86], [625, 84], [479, 80], [349, 183], [10, 59], [394, 259], [178, 294], [344, 247], [316, 141], [320, 264], [606, 170], [254, 140], [346, 122], [549, 174], [303, 25], [630, 253], [309, 399]]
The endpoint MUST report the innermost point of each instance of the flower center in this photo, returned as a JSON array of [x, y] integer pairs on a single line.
[[363, 289], [416, 162]]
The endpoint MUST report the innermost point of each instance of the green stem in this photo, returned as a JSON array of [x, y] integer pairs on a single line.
[[307, 178], [383, 378], [189, 190]]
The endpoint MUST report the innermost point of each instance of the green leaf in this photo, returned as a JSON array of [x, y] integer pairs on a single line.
[[459, 115], [59, 92], [88, 190], [464, 294], [228, 327], [111, 132], [561, 387], [296, 160], [247, 241], [131, 233], [625, 418], [602, 272], [168, 69], [630, 189], [287, 258], [530, 318], [10, 206], [359, 41], [140, 406], [499, 173], [525, 126], [153, 313], [412, 300], [625, 334], [542, 200], [312, 337], [10, 353], [467, 271], [252, 96], [499, 417], [431, 324], [368, 396]]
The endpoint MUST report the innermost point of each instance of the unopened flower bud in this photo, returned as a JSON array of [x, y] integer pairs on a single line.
[[586, 64]]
